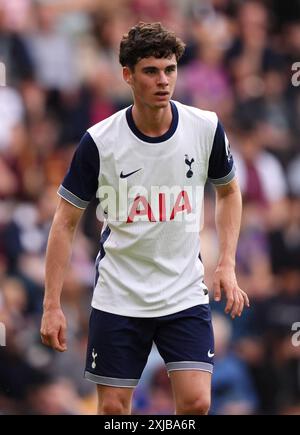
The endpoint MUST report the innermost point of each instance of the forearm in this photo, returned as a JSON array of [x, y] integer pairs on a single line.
[[228, 221], [57, 259]]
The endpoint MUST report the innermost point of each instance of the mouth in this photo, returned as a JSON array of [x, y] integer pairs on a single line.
[[162, 93]]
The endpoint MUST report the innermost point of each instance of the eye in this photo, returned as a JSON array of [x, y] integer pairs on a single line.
[[150, 71], [170, 69]]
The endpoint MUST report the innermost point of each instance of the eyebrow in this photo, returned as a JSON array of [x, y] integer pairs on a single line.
[[154, 68]]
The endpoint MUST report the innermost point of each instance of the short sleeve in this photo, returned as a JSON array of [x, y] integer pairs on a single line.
[[221, 166], [81, 181]]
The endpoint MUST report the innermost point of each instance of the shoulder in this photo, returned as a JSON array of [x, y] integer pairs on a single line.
[[108, 128], [204, 118]]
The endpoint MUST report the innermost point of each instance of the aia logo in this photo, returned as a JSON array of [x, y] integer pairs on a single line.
[[155, 204], [141, 207]]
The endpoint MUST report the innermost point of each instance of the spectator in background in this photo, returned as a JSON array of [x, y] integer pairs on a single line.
[[274, 320], [52, 52], [232, 387], [284, 239], [204, 81], [260, 173], [249, 56], [14, 53], [54, 396], [157, 397]]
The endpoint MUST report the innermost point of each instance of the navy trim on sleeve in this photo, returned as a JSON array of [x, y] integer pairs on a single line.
[[221, 166], [70, 197], [81, 181], [224, 180]]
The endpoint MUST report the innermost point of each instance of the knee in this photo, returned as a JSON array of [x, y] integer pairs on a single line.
[[199, 406], [114, 401], [112, 407]]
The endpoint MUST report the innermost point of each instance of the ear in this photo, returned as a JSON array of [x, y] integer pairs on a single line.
[[127, 75]]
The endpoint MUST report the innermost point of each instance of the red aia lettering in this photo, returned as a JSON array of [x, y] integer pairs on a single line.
[[136, 211], [181, 207], [182, 203]]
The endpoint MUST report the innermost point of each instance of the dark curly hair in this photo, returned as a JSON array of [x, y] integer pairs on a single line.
[[146, 40]]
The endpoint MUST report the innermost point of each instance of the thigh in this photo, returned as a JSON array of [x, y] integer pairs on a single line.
[[118, 348], [185, 339], [191, 387]]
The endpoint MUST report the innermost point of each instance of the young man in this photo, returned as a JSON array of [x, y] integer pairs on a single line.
[[148, 165]]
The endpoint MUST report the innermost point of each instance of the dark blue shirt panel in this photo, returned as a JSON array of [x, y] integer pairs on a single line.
[[221, 167], [82, 177]]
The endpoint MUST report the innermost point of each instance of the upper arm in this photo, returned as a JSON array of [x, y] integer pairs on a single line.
[[221, 166], [81, 181]]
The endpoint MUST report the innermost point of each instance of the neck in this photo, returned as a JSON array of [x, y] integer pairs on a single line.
[[152, 121]]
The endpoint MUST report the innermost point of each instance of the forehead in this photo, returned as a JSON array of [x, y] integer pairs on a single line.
[[160, 63]]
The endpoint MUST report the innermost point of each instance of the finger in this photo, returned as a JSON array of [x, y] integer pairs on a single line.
[[246, 299], [230, 301], [57, 346], [236, 304], [242, 304], [54, 342], [62, 338], [217, 291], [45, 338]]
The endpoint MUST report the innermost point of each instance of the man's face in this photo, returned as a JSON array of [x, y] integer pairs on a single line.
[[153, 81]]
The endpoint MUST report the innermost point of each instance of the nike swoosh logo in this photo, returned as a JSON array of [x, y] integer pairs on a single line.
[[130, 173], [210, 354]]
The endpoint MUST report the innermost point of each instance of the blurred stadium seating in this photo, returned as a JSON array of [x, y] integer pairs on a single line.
[[62, 76]]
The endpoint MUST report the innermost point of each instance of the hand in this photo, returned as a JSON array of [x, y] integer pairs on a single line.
[[225, 280], [53, 329]]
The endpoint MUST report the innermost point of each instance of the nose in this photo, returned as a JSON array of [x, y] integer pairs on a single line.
[[162, 79]]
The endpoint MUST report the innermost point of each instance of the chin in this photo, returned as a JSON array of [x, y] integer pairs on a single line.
[[162, 104]]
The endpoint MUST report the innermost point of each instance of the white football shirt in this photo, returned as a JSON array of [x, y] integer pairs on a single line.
[[151, 195]]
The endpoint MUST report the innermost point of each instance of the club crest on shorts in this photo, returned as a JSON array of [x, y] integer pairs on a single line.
[[94, 356]]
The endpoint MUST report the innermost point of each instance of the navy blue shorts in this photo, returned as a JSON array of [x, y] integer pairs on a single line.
[[119, 346]]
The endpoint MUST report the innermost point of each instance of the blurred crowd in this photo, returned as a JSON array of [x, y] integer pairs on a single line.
[[62, 76]]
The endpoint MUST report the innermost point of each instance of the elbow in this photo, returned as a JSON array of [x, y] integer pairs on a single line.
[[229, 190]]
